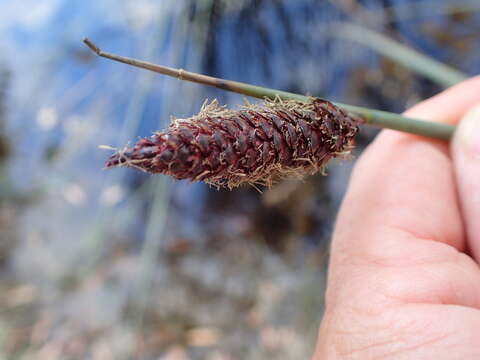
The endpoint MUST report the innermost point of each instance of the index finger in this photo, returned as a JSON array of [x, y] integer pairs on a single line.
[[402, 202]]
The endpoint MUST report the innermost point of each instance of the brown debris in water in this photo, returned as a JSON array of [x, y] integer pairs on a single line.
[[257, 144]]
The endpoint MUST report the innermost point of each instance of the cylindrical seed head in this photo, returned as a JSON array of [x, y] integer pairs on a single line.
[[257, 144]]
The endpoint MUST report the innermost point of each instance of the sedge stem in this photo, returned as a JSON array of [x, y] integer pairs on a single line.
[[377, 118]]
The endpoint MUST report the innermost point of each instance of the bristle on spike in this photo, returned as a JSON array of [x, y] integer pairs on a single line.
[[107, 147]]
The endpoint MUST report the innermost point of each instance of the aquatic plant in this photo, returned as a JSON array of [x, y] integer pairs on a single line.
[[289, 134]]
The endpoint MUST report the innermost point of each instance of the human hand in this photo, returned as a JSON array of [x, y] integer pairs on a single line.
[[404, 280]]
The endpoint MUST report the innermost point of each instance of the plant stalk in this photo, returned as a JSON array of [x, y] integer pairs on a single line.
[[377, 118], [442, 74]]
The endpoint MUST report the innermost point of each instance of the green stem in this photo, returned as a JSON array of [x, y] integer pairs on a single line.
[[372, 117], [432, 69]]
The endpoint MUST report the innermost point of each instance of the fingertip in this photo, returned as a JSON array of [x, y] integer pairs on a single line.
[[465, 149], [466, 141]]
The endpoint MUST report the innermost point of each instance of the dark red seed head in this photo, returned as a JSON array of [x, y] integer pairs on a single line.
[[257, 144]]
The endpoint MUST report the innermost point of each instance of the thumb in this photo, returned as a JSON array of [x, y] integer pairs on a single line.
[[466, 159]]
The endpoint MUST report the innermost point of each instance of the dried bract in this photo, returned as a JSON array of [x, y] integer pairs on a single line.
[[257, 144]]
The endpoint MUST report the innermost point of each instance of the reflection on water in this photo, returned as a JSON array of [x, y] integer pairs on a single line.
[[114, 264]]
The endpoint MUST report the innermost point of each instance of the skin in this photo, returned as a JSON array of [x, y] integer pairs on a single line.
[[404, 280]]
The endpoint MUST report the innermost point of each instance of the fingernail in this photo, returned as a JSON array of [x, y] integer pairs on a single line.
[[467, 135]]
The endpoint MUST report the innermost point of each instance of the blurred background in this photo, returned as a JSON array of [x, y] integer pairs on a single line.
[[122, 265]]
